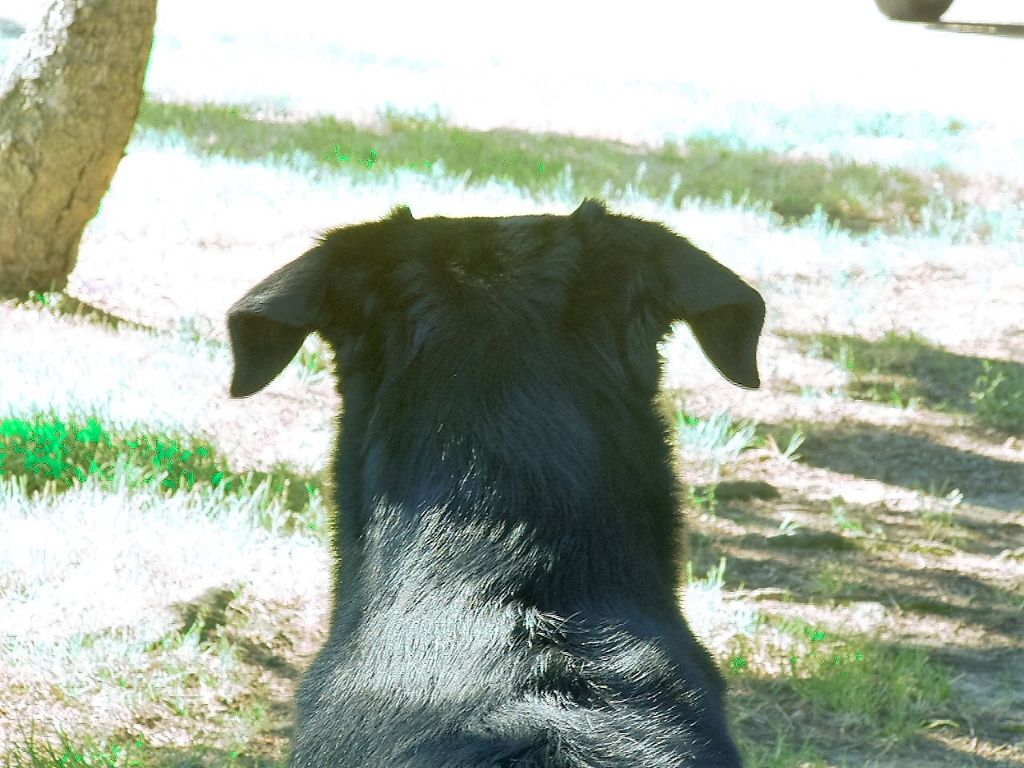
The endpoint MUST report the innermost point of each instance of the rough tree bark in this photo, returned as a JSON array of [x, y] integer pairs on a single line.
[[68, 101]]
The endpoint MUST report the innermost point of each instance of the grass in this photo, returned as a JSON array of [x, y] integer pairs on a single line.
[[998, 395], [45, 454], [939, 522], [860, 690], [905, 371], [69, 752], [900, 689], [714, 441], [66, 751], [710, 613], [856, 685], [855, 196]]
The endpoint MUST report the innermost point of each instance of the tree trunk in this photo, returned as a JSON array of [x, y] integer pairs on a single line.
[[68, 101]]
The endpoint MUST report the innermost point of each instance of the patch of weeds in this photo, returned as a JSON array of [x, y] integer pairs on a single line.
[[870, 686], [904, 370], [855, 196], [871, 371], [45, 452], [254, 716], [180, 665], [831, 580], [939, 521], [33, 753], [779, 751], [853, 691], [792, 444], [852, 195], [708, 613], [187, 642], [208, 613], [789, 526], [63, 304], [895, 690], [998, 396], [716, 441], [889, 390], [765, 740]]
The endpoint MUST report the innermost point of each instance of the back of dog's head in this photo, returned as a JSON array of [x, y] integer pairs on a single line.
[[508, 540], [527, 343]]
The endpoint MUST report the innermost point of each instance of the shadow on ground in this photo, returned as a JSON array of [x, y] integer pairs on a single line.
[[900, 369], [912, 460], [979, 28]]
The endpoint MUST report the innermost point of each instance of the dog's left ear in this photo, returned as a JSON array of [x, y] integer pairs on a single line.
[[667, 278]]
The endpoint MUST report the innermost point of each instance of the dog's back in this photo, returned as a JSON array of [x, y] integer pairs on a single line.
[[508, 529]]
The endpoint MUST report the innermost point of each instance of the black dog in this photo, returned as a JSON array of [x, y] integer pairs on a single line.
[[508, 535]]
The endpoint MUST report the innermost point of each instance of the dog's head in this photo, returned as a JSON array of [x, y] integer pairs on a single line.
[[475, 298]]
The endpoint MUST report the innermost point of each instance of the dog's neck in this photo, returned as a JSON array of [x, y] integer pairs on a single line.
[[507, 518]]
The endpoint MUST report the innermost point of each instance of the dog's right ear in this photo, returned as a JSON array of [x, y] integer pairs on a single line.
[[725, 314], [268, 324], [661, 277]]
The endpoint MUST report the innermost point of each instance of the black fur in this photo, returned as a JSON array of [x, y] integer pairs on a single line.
[[508, 531]]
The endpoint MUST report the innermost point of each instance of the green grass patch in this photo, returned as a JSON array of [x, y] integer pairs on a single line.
[[67, 752], [855, 196], [905, 370], [44, 452], [998, 395], [858, 682], [897, 690]]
